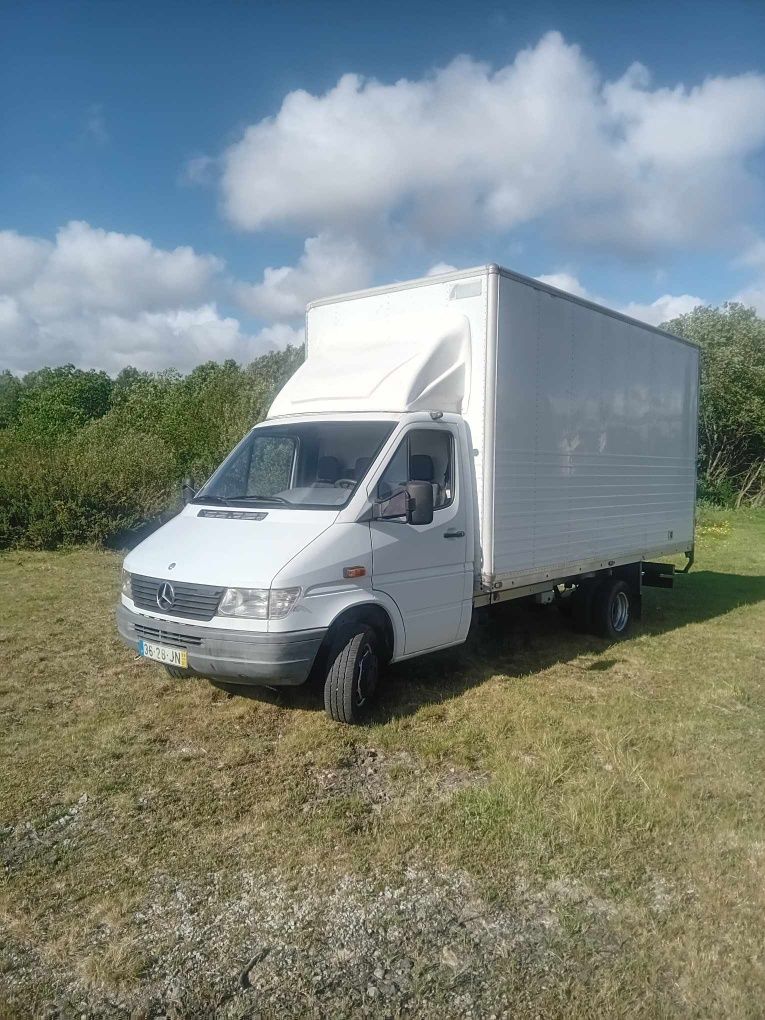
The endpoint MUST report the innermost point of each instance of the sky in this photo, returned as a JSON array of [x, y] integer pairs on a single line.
[[177, 180]]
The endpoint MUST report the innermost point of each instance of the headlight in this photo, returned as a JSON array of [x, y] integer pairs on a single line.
[[126, 588], [252, 602], [258, 603], [280, 601]]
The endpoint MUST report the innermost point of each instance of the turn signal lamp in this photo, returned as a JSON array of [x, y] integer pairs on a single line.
[[354, 571]]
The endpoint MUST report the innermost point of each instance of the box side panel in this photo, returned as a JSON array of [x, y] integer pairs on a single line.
[[595, 438]]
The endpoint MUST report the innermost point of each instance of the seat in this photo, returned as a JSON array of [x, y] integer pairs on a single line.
[[328, 470], [421, 469]]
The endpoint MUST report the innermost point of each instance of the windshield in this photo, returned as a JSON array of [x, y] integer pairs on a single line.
[[309, 465]]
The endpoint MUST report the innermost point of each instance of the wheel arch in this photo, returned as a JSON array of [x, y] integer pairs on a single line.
[[374, 614], [371, 612]]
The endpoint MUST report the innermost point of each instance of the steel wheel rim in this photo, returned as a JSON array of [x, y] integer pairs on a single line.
[[620, 611]]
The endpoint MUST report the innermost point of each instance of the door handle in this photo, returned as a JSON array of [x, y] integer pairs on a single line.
[[454, 534]]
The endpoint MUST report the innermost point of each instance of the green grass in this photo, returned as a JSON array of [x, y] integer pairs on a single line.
[[607, 799]]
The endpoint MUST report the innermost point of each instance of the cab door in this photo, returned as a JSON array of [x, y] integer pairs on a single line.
[[424, 568]]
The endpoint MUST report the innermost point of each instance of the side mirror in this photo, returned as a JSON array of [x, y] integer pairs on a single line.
[[420, 502], [188, 492]]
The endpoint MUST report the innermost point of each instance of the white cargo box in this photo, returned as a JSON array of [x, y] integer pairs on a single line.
[[584, 420]]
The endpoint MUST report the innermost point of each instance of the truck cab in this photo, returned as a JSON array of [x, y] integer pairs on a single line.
[[341, 531]]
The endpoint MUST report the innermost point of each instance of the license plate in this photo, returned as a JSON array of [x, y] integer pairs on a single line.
[[163, 653]]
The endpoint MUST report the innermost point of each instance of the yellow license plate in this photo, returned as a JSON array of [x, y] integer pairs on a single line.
[[163, 653]]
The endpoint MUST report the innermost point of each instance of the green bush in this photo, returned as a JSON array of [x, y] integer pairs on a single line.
[[732, 402], [58, 401], [120, 450], [719, 492]]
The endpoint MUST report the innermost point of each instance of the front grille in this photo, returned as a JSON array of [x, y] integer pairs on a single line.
[[167, 637], [192, 601]]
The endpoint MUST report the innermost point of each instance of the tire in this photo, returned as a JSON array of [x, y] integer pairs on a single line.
[[612, 609], [352, 674], [176, 672], [228, 687]]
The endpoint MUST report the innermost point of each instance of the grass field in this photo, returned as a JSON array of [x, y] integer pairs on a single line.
[[537, 825]]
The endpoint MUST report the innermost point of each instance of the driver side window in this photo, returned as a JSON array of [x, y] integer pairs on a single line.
[[424, 455], [396, 474]]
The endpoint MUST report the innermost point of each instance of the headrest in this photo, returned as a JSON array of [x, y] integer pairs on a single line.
[[421, 467], [328, 469]]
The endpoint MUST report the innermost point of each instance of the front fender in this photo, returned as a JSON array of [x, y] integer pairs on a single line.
[[326, 593], [322, 605], [381, 601]]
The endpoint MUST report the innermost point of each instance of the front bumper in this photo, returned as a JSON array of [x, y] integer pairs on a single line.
[[241, 656]]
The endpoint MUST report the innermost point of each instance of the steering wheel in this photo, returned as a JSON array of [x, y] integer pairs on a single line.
[[345, 483]]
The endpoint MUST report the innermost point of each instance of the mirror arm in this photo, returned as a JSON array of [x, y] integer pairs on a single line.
[[374, 513], [188, 492]]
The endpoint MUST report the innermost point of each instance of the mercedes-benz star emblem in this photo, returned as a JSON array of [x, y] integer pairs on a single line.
[[166, 595]]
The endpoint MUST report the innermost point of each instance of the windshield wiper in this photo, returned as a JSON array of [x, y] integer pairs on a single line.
[[209, 499], [260, 499], [228, 500]]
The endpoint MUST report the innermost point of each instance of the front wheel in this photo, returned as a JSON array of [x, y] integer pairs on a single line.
[[354, 668], [177, 672]]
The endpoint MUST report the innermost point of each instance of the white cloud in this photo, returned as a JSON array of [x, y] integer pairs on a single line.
[[441, 267], [753, 297], [620, 164], [180, 338], [368, 169], [753, 294], [198, 170], [328, 265], [12, 323], [754, 255], [564, 281], [105, 299], [20, 259], [280, 335], [88, 268], [666, 307]]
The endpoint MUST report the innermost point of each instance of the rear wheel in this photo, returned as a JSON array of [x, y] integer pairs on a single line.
[[353, 672], [612, 607]]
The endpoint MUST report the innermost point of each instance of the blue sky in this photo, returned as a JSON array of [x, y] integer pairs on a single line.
[[168, 193]]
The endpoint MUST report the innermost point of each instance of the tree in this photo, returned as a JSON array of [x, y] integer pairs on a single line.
[[10, 394], [732, 400], [59, 401], [126, 381]]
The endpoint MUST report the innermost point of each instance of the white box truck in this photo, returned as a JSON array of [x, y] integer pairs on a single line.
[[449, 443]]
